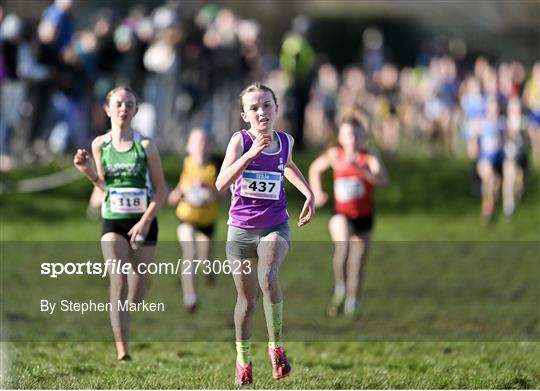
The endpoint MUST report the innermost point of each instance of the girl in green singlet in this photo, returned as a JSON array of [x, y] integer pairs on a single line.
[[130, 174]]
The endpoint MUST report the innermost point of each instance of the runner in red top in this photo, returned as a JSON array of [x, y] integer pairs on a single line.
[[352, 189], [357, 171]]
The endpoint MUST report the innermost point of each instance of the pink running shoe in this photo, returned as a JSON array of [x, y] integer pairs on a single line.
[[244, 375], [280, 365]]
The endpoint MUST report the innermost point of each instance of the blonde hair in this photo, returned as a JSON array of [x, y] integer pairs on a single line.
[[256, 86]]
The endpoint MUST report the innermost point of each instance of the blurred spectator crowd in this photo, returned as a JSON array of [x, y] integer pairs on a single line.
[[189, 66]]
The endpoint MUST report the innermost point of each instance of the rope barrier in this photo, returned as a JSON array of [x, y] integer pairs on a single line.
[[45, 182]]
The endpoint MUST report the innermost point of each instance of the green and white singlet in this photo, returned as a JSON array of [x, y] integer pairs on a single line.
[[127, 181]]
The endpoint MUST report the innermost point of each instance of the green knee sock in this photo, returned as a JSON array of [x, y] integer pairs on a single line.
[[274, 322], [243, 348]]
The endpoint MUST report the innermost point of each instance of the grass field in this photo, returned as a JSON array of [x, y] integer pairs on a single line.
[[449, 302]]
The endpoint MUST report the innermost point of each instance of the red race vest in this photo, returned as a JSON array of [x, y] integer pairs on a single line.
[[352, 192]]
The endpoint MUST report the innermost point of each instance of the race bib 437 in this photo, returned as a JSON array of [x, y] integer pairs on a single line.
[[261, 184]]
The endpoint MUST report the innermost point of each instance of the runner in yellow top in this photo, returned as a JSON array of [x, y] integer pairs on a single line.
[[197, 209]]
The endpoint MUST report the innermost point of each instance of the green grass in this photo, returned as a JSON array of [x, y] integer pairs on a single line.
[[315, 365], [437, 281]]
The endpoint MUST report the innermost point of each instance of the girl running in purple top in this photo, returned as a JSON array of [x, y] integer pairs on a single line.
[[255, 164]]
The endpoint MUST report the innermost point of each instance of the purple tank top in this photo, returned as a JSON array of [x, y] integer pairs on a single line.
[[258, 196]]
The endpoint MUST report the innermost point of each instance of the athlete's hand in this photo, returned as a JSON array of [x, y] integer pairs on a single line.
[[81, 160], [320, 198], [175, 196], [308, 211], [140, 228], [259, 144]]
